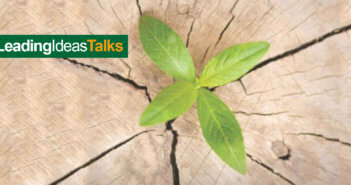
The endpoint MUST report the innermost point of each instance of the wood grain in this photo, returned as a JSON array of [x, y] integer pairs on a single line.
[[56, 115]]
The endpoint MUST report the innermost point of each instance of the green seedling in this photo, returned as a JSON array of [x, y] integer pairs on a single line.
[[218, 124]]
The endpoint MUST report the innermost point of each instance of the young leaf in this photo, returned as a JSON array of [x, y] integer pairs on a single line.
[[171, 102], [166, 49], [221, 130], [232, 63]]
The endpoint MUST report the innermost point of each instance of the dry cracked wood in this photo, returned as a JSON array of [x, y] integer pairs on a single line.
[[296, 126], [55, 116], [73, 121], [141, 161]]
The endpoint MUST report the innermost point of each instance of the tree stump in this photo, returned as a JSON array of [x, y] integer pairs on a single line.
[[65, 121]]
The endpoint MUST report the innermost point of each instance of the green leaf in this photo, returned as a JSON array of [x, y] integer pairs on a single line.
[[221, 130], [232, 63], [171, 102], [166, 49]]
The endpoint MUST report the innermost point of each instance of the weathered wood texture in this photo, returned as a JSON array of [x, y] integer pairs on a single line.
[[68, 122]]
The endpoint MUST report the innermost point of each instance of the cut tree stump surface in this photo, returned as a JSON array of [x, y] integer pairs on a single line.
[[66, 121]]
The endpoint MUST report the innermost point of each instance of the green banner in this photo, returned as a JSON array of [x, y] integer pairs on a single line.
[[63, 46]]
